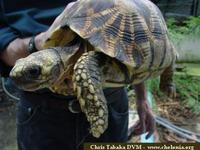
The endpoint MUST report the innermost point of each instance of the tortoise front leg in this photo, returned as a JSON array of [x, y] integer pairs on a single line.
[[87, 79]]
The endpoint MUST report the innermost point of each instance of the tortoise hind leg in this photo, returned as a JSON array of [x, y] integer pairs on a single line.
[[166, 82], [87, 81]]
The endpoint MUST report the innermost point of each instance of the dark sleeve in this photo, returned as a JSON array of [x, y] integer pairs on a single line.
[[7, 35]]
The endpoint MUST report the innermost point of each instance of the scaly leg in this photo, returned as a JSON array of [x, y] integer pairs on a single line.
[[166, 82], [87, 79]]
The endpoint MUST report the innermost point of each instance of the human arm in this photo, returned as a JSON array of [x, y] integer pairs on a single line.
[[7, 35], [17, 47], [146, 121]]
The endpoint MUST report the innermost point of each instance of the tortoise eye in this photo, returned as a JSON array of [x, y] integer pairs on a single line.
[[33, 72]]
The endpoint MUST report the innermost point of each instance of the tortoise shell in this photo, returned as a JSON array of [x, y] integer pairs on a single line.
[[122, 29], [130, 31]]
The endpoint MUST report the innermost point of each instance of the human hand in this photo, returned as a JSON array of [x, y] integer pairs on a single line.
[[15, 50], [146, 122], [58, 37]]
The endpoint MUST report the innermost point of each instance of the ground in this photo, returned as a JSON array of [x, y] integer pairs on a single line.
[[7, 126], [181, 116], [178, 114]]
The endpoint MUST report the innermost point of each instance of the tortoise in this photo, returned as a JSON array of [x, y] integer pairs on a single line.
[[98, 44]]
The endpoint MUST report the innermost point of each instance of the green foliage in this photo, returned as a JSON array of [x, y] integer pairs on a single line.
[[193, 26], [189, 90], [189, 27], [153, 85]]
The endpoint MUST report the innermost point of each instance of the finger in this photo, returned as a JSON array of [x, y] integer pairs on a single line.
[[136, 129], [136, 125], [151, 131], [139, 130], [143, 124], [151, 128]]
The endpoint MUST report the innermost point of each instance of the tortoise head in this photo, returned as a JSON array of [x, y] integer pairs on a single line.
[[38, 70]]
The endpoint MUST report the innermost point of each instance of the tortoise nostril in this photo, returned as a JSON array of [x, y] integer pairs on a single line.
[[34, 72]]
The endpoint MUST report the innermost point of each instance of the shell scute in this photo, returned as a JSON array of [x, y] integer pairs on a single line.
[[119, 28]]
